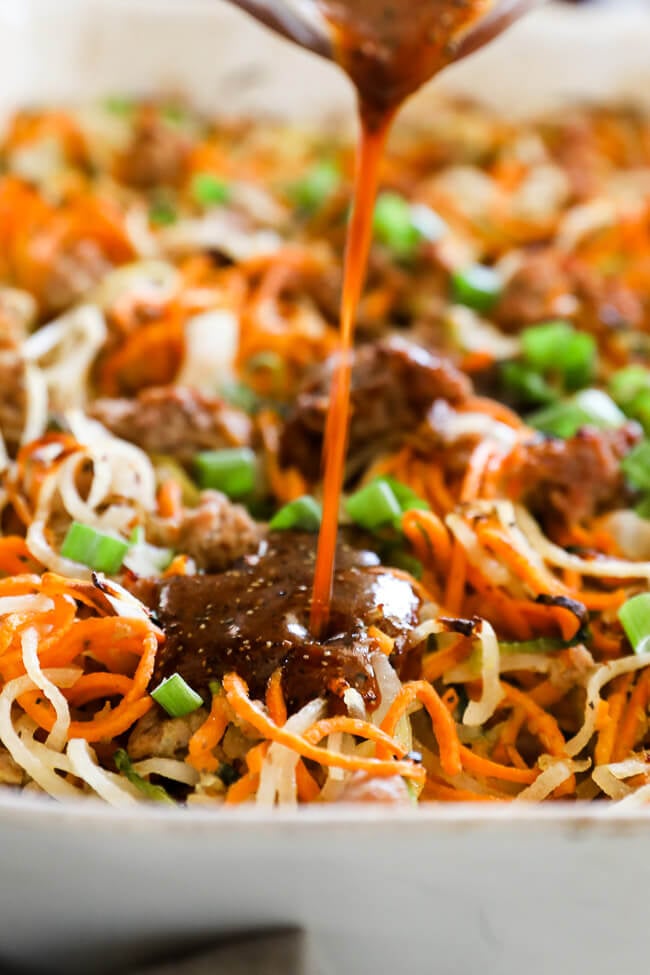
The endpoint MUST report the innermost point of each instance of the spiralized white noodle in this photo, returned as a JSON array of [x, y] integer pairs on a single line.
[[459, 425], [355, 704], [473, 334], [637, 800], [609, 777], [27, 728], [597, 568], [557, 772], [31, 760], [85, 766], [220, 231], [37, 404], [168, 768], [389, 686], [596, 682], [278, 776], [117, 470], [476, 555], [211, 345], [35, 603], [478, 712], [64, 352], [538, 663], [156, 280], [29, 646]]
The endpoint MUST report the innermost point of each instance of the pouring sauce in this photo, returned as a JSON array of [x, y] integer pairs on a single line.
[[389, 48]]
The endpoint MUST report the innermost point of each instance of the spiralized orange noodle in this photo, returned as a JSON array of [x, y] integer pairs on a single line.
[[169, 290]]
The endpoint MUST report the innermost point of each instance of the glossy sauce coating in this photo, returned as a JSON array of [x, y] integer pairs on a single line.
[[254, 618]]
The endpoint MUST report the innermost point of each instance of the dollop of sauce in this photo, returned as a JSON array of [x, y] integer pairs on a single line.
[[254, 618]]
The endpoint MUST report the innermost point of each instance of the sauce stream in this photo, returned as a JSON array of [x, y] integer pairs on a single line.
[[389, 48]]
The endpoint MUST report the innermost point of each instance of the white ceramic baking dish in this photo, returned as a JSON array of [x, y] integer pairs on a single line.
[[444, 890]]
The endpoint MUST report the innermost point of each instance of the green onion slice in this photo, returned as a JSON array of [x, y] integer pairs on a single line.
[[312, 191], [636, 466], [626, 384], [402, 226], [148, 789], [477, 287], [374, 506], [635, 620], [526, 384], [303, 514], [558, 347], [233, 470], [162, 214], [97, 550], [590, 407], [208, 190], [177, 697]]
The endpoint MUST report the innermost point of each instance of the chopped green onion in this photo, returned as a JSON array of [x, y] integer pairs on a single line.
[[119, 105], [635, 620], [626, 384], [636, 466], [162, 214], [395, 227], [240, 395], [137, 536], [525, 384], [155, 792], [427, 222], [600, 408], [173, 113], [208, 190], [177, 697], [270, 362], [303, 514], [558, 347], [374, 506], [639, 409], [590, 407], [643, 508], [233, 470], [101, 552], [312, 191], [408, 499], [477, 287]]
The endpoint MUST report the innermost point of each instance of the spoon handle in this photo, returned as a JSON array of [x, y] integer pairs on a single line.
[[504, 14], [298, 20]]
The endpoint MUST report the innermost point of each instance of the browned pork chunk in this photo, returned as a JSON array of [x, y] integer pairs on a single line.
[[74, 271], [173, 420], [254, 618], [394, 383], [157, 155], [550, 284], [215, 534], [572, 478]]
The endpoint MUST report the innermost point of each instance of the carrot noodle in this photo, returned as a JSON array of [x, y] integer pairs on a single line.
[[443, 724], [206, 738], [275, 698], [250, 712]]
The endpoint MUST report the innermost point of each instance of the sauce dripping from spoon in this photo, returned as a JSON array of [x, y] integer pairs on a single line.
[[389, 48]]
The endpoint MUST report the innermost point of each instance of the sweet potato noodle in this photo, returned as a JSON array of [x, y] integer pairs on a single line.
[[168, 309]]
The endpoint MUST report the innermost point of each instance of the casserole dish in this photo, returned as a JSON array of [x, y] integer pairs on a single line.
[[88, 889]]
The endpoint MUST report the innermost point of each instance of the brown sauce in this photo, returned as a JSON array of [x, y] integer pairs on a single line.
[[254, 618]]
